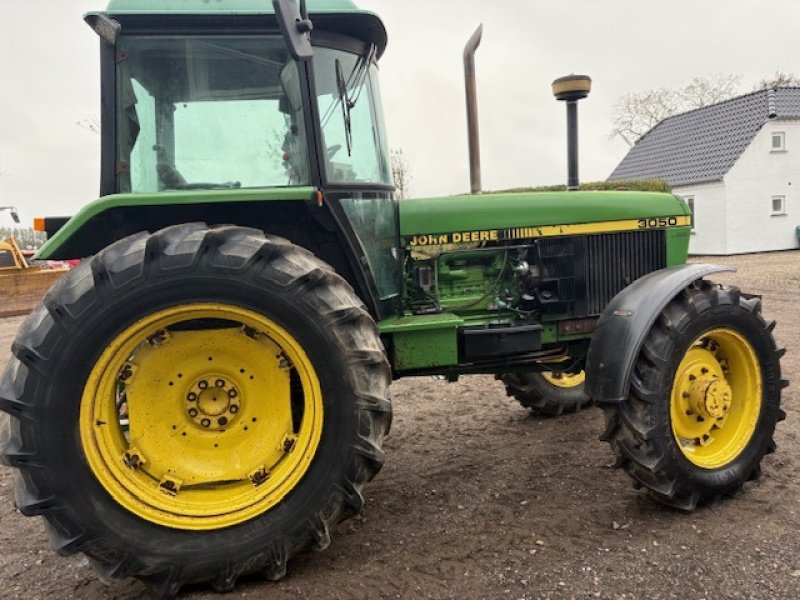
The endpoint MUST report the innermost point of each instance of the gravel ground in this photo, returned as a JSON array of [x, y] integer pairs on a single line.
[[480, 500]]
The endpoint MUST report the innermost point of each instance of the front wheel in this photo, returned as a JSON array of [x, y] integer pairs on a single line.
[[194, 405], [704, 399], [548, 394]]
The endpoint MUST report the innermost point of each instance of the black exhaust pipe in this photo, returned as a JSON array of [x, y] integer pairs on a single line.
[[571, 89]]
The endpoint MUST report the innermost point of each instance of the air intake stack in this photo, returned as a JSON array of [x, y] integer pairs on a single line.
[[571, 89]]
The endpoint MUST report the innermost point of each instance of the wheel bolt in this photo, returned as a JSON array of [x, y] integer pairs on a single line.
[[206, 422], [234, 408], [191, 397], [203, 384], [192, 412], [232, 394], [220, 383]]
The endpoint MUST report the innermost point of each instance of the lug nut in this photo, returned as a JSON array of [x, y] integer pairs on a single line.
[[222, 421], [232, 394], [206, 422], [203, 384], [192, 412], [234, 408], [191, 397], [220, 383]]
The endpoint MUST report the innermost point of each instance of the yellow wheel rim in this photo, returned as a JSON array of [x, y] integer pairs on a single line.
[[201, 416], [716, 398], [565, 380]]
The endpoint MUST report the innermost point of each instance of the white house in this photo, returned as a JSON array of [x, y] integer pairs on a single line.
[[737, 163]]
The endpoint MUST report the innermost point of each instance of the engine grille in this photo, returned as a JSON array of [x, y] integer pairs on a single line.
[[560, 257], [614, 261], [592, 269]]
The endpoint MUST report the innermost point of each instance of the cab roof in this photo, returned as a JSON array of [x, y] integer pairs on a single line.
[[221, 7], [342, 16]]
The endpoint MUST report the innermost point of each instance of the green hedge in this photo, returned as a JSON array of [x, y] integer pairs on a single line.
[[637, 185]]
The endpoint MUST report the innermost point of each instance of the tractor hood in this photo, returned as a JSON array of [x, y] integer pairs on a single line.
[[495, 217]]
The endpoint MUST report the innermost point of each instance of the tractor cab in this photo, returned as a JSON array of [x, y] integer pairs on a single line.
[[210, 102], [229, 108]]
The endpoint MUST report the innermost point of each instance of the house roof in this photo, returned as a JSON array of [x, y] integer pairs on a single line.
[[703, 144]]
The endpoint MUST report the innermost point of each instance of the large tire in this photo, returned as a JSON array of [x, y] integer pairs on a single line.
[[704, 399], [544, 395], [44, 389]]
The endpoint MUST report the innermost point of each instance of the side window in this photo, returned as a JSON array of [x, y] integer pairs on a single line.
[[778, 206], [374, 220], [137, 131], [778, 141], [231, 142]]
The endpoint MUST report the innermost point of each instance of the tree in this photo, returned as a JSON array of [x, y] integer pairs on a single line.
[[25, 236], [703, 91], [778, 79], [401, 173], [636, 113]]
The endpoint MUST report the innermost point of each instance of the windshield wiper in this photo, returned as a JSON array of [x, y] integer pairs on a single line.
[[355, 83], [344, 100]]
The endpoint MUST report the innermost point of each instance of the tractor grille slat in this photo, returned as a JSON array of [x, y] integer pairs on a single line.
[[559, 256], [614, 261]]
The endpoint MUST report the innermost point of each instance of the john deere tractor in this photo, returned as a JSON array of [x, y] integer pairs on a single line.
[[206, 395]]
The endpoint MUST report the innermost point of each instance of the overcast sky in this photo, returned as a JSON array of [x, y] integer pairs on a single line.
[[49, 82]]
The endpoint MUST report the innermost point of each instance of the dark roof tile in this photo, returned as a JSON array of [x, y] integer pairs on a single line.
[[703, 144]]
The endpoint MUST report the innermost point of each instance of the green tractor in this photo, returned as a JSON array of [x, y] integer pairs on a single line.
[[206, 395]]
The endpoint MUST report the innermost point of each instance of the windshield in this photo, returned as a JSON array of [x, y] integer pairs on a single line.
[[352, 120], [208, 113]]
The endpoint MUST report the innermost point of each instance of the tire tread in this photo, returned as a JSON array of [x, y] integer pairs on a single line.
[[237, 252]]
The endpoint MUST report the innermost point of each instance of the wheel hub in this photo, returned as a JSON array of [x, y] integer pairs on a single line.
[[710, 396], [213, 402]]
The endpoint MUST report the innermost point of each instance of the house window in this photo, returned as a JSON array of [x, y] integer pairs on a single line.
[[779, 141], [690, 202], [778, 206]]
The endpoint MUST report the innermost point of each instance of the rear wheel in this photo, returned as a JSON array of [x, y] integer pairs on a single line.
[[194, 405], [548, 393], [704, 399]]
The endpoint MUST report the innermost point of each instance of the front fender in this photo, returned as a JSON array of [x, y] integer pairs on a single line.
[[625, 323]]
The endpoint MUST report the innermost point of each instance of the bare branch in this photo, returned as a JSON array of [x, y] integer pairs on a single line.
[[636, 113], [401, 173], [779, 79], [91, 124], [703, 91]]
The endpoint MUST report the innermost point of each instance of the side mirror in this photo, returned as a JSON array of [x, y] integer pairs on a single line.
[[295, 27]]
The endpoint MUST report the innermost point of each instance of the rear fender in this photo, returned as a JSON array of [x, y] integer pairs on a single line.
[[625, 323], [292, 213]]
